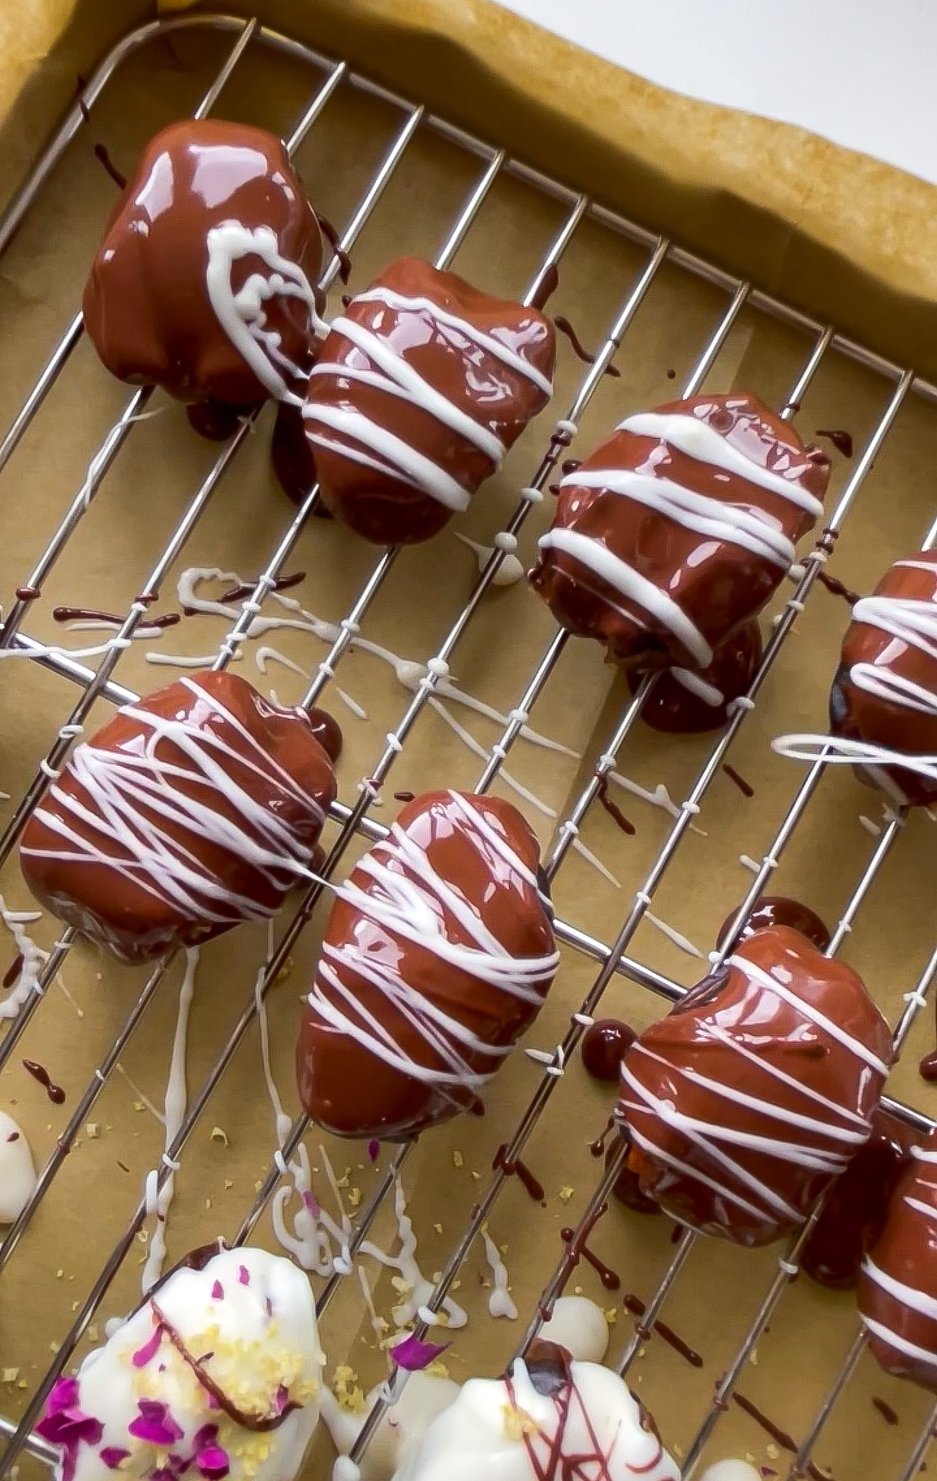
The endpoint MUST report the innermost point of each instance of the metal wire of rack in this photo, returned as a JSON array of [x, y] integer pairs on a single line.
[[354, 820]]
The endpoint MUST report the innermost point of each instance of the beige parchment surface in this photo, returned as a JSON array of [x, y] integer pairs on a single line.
[[106, 564]]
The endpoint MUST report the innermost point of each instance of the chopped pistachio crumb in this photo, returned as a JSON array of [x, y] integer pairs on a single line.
[[208, 1203], [93, 1129], [611, 1315], [229, 1182], [217, 1135], [438, 1228], [566, 1193], [139, 1106], [753, 1357], [577, 1290], [347, 1389], [93, 1333], [143, 1235], [772, 1451], [285, 970], [59, 1274], [354, 1197], [458, 1160], [437, 1369], [404, 1287], [457, 1285], [9, 1375]]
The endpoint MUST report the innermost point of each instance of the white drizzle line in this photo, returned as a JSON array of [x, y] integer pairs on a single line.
[[660, 797], [357, 436], [618, 574], [510, 569], [34, 958], [698, 686], [173, 1116], [749, 863], [242, 315], [499, 1301], [869, 826], [913, 622], [418, 1288], [479, 750], [835, 750], [127, 788], [489, 342], [595, 861], [677, 937], [697, 439], [411, 902]]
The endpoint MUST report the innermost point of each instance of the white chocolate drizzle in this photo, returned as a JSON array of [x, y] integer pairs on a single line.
[[33, 958], [121, 783], [499, 1301], [831, 1137], [417, 1290], [242, 314], [411, 901], [159, 1203], [360, 438], [753, 528]]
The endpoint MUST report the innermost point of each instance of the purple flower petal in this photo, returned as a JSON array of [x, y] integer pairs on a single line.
[[217, 1291], [63, 1395], [112, 1455], [213, 1462], [207, 1435], [155, 1425], [312, 1204], [413, 1353], [147, 1352], [244, 1275], [374, 1149], [281, 1399]]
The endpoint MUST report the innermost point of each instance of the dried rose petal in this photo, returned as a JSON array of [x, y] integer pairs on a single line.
[[217, 1291], [374, 1149], [281, 1398], [244, 1275], [155, 1425], [63, 1394], [413, 1353], [112, 1455], [213, 1462], [147, 1352], [311, 1203]]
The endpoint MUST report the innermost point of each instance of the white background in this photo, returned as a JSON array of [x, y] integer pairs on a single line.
[[860, 72]]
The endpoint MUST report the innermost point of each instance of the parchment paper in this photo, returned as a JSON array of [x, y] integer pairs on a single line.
[[106, 564]]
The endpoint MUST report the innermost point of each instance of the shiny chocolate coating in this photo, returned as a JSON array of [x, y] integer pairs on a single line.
[[627, 1189], [437, 956], [419, 389], [639, 555], [147, 303], [604, 1046], [896, 721], [778, 910], [854, 1209], [898, 1284], [751, 1096], [674, 709], [186, 813]]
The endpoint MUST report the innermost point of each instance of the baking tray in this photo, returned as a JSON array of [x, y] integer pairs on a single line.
[[107, 495]]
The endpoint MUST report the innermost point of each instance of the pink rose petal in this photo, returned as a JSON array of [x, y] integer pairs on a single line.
[[414, 1354]]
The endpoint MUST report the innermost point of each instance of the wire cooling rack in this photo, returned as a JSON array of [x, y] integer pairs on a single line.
[[614, 956]]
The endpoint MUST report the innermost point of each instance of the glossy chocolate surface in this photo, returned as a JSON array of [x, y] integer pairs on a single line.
[[147, 305], [854, 1210], [676, 710], [197, 808], [744, 1103], [706, 585], [898, 1285], [437, 955], [778, 910], [386, 415], [897, 721], [604, 1045]]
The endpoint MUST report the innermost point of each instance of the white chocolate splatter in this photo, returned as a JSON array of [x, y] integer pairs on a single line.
[[17, 1173]]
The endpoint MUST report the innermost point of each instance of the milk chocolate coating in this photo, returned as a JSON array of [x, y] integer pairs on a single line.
[[220, 796], [707, 1093], [146, 304], [374, 497], [898, 1284], [858, 715], [718, 585], [403, 953], [675, 710], [854, 1210], [778, 910]]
